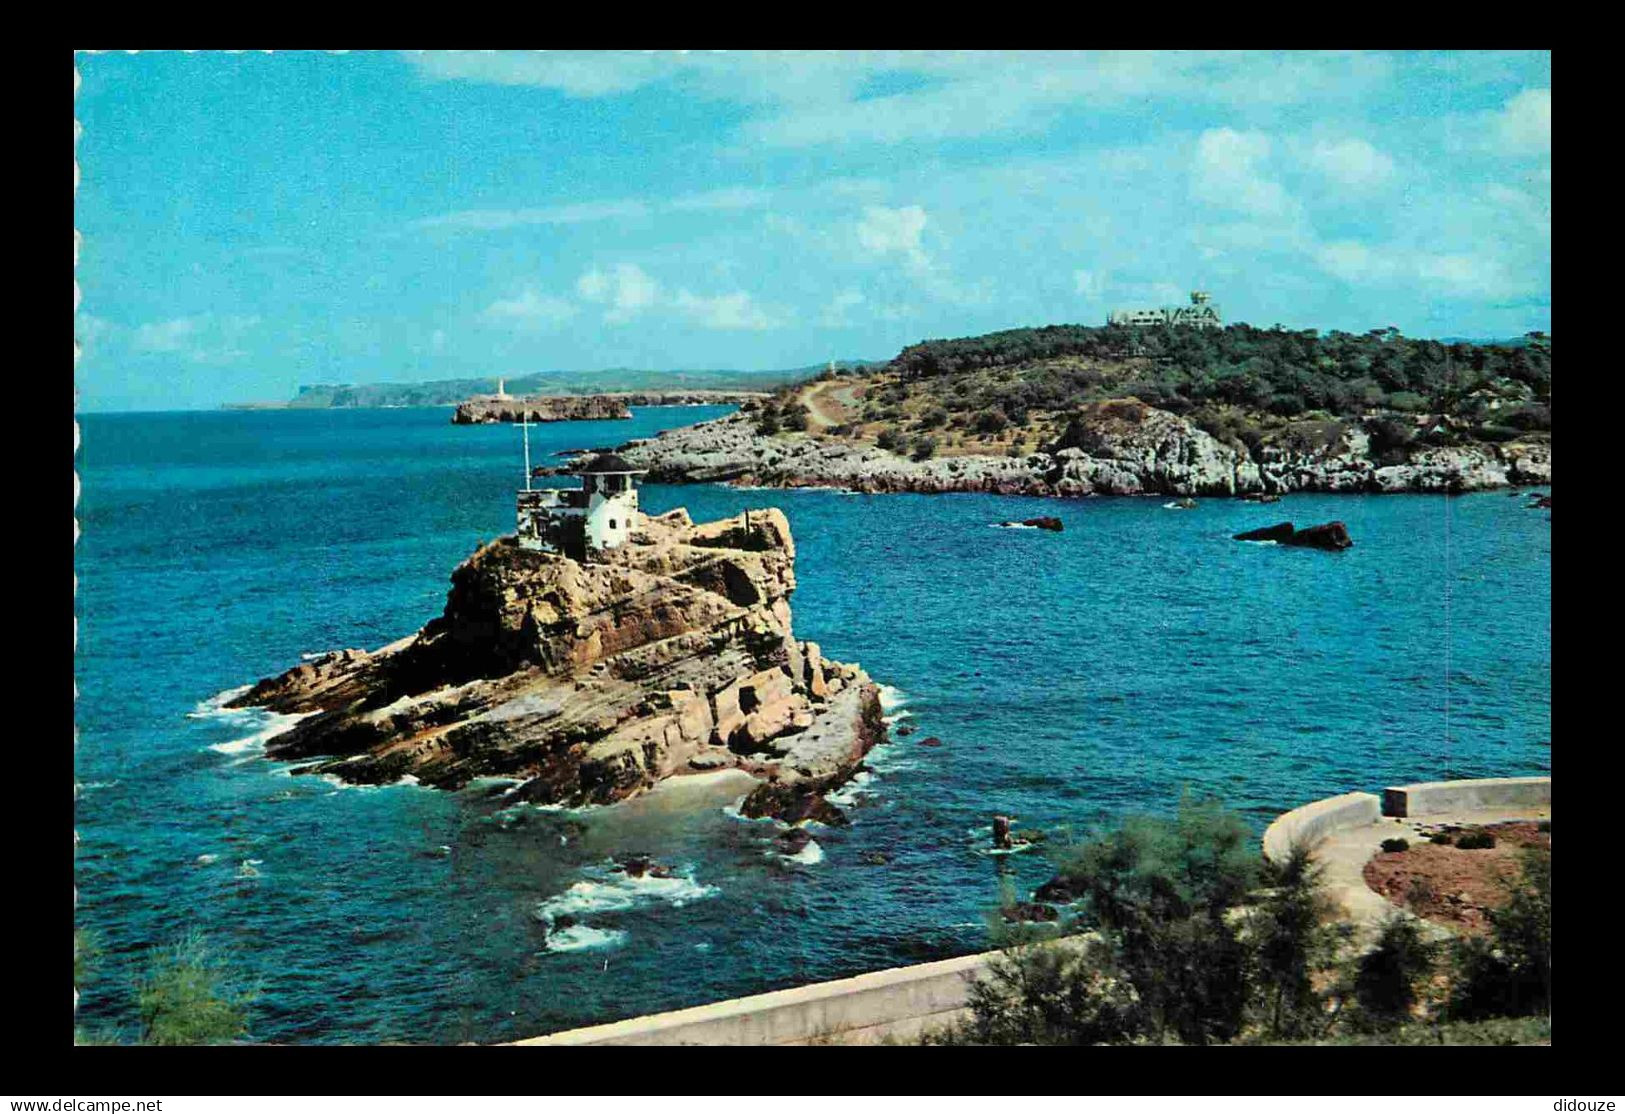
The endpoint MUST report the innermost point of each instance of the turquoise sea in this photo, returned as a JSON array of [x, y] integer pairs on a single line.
[[1071, 677]]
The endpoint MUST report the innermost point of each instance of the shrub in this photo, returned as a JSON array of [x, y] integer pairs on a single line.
[[1476, 841], [890, 440], [182, 999], [1440, 838], [925, 447], [1387, 978], [1294, 940], [1509, 974], [1544, 826], [993, 420], [1392, 845], [795, 418], [934, 418]]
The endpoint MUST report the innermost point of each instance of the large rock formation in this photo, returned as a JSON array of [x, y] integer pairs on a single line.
[[1123, 447], [591, 682]]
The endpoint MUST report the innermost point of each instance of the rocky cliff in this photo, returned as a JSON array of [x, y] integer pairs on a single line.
[[1122, 447], [591, 682], [542, 408]]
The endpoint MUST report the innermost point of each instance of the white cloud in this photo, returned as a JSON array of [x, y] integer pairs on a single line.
[[734, 197], [804, 98], [724, 311], [205, 338], [1524, 126], [572, 72], [626, 291], [884, 232], [580, 212], [1351, 162], [530, 310], [1447, 274], [1228, 171], [487, 220]]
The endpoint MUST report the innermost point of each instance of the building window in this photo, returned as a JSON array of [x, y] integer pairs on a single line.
[[612, 524]]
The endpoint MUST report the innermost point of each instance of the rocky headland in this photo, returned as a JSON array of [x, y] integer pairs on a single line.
[[584, 408], [1120, 447], [591, 682]]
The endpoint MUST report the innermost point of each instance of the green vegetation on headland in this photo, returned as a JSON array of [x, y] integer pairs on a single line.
[[1018, 390], [449, 392], [1182, 935]]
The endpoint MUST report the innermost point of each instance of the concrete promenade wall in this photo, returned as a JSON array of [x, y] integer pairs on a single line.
[[1429, 797], [1313, 822], [900, 1003]]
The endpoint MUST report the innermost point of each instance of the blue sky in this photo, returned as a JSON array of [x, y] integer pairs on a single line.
[[250, 222]]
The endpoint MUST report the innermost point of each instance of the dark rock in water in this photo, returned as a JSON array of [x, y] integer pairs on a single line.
[[1540, 502], [1185, 504], [1261, 497], [792, 803], [640, 865], [1043, 523], [904, 731], [793, 841], [562, 922], [875, 858], [1001, 833], [1029, 911], [1330, 535], [930, 741], [1058, 890], [1281, 532]]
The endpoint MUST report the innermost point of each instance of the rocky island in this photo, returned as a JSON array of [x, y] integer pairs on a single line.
[[585, 408], [592, 677]]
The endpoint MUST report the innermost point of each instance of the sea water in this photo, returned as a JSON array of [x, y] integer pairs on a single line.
[[1072, 678]]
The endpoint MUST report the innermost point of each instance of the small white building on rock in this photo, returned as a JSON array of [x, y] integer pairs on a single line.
[[598, 516]]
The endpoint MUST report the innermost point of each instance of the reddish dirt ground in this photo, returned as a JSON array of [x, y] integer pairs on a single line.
[[1448, 885]]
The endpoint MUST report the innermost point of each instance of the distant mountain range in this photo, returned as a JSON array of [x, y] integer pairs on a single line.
[[449, 392]]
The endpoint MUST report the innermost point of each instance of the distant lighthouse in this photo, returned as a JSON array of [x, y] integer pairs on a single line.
[[501, 388]]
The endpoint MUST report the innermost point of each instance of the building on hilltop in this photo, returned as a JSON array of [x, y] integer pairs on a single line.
[[1200, 314], [581, 522]]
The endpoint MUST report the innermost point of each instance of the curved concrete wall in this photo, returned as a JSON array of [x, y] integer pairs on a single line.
[[1428, 797], [1312, 822], [901, 1003]]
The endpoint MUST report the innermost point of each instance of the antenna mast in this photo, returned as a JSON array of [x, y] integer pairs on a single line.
[[524, 432]]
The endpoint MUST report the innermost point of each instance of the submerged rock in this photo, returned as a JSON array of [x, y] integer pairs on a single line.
[[1041, 523], [1330, 535], [590, 682], [1281, 532]]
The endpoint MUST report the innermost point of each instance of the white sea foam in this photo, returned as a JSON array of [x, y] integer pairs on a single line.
[[206, 859], [1011, 526], [580, 937], [216, 704], [1174, 507], [616, 892], [892, 698], [807, 856], [847, 795]]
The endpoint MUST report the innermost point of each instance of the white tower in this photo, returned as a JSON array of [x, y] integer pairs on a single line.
[[612, 500]]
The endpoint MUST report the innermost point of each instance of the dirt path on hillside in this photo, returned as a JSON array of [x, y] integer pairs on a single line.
[[830, 403]]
